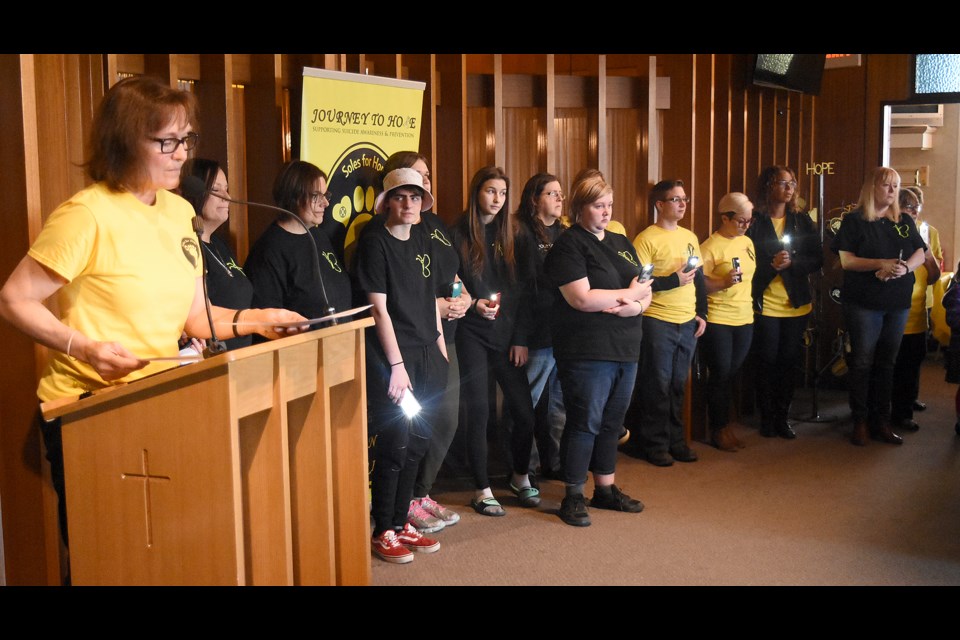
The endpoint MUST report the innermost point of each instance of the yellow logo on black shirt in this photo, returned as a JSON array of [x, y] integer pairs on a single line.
[[424, 260], [332, 259], [629, 258]]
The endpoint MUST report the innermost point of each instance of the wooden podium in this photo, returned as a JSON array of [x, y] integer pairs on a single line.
[[249, 468]]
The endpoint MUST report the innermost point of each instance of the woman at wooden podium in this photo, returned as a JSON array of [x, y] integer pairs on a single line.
[[123, 260]]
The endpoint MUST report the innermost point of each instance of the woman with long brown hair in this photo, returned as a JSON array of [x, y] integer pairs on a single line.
[[495, 268]]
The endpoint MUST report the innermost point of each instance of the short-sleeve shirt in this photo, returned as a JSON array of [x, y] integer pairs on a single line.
[[404, 271], [734, 305], [610, 263], [131, 272], [879, 239], [668, 250]]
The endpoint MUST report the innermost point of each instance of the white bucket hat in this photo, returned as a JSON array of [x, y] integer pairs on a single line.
[[405, 177]]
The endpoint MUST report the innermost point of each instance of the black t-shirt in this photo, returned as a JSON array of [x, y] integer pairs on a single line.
[[545, 293], [227, 285], [610, 263], [446, 262], [883, 239], [512, 324], [405, 271], [282, 269]]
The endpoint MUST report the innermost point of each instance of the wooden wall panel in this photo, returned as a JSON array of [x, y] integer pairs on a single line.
[[450, 158], [264, 139]]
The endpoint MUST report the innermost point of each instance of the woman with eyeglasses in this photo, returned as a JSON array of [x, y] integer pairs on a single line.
[[492, 337], [122, 259], [596, 340], [227, 284], [879, 249], [913, 345], [729, 262], [539, 218], [282, 266], [671, 326], [788, 251]]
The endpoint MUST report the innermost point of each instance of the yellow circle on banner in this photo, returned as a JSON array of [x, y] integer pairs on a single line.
[[371, 197], [358, 198]]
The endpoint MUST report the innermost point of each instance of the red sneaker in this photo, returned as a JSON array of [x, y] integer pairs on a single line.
[[416, 541], [387, 547]]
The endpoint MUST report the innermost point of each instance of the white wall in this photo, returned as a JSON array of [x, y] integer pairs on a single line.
[[942, 195]]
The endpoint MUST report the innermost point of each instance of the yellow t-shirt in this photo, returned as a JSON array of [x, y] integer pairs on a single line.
[[921, 298], [734, 305], [937, 251], [616, 227], [668, 250], [776, 300], [131, 272]]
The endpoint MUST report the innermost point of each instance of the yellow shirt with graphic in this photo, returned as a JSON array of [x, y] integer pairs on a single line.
[[668, 250], [734, 305], [131, 272], [776, 300]]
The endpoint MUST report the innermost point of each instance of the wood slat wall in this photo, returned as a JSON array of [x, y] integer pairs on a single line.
[[554, 112]]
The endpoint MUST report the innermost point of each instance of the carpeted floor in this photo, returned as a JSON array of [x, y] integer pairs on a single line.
[[812, 511]]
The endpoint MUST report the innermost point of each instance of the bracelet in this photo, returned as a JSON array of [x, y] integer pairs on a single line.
[[396, 363], [70, 342], [475, 303], [236, 319]]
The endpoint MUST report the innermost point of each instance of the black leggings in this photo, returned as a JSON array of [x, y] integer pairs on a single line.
[[476, 361]]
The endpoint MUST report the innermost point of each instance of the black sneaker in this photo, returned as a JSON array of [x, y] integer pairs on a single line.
[[573, 511], [616, 500], [683, 454]]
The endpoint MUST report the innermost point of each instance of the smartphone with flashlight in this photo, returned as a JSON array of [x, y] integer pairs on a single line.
[[456, 288], [692, 263], [495, 300], [409, 404], [646, 273], [736, 267]]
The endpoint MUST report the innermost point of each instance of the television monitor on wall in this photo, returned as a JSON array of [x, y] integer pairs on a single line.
[[792, 71]]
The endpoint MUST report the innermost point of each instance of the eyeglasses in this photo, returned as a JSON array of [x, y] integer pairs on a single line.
[[559, 195], [316, 196], [911, 207], [677, 200], [169, 145], [783, 184], [743, 223]]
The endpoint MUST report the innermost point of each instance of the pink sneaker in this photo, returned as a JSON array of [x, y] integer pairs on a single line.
[[416, 541], [447, 516], [387, 547]]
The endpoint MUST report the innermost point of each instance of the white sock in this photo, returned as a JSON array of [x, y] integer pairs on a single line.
[[483, 494], [521, 482]]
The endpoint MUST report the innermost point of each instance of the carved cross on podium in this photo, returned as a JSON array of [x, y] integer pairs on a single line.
[[146, 478]]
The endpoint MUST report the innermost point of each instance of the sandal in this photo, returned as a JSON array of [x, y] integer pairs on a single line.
[[528, 496], [488, 507]]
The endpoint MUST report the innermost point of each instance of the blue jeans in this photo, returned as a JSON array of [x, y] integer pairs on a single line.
[[874, 340], [665, 356], [550, 416], [596, 394]]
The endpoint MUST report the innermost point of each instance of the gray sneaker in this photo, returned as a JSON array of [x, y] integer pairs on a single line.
[[437, 510], [422, 521]]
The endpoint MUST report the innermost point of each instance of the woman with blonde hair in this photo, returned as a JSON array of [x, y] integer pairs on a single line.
[[879, 250], [596, 342]]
